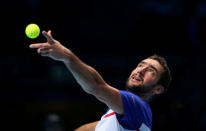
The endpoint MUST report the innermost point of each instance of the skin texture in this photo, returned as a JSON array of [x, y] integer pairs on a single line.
[[144, 78], [145, 75]]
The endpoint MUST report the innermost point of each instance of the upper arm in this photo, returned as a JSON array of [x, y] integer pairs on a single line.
[[111, 97]]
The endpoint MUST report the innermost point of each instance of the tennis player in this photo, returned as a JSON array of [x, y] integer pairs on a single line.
[[128, 110]]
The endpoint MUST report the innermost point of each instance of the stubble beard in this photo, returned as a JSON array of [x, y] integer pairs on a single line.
[[140, 89]]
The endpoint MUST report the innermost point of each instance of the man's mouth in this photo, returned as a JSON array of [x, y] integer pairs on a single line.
[[137, 78]]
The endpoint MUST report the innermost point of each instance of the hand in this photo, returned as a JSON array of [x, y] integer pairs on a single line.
[[52, 48]]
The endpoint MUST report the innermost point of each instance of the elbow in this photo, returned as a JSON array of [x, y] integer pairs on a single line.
[[94, 90], [90, 90]]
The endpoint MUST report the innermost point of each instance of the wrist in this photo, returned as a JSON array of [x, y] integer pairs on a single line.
[[68, 56], [65, 54]]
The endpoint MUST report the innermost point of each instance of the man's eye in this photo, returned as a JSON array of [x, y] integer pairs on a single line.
[[152, 71], [140, 65]]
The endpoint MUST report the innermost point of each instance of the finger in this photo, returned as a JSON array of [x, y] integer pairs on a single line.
[[39, 50], [39, 45], [45, 54], [48, 36], [44, 49]]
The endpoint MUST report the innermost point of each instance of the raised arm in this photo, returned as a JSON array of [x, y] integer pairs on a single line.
[[89, 79]]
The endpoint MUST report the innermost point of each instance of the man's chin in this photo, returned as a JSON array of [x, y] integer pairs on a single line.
[[137, 89], [134, 88], [134, 85]]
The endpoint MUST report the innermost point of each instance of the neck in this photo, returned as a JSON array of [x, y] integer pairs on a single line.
[[145, 97]]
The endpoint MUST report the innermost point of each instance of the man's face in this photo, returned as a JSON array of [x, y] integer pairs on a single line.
[[144, 77]]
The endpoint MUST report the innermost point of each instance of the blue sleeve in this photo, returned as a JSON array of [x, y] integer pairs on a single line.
[[134, 110]]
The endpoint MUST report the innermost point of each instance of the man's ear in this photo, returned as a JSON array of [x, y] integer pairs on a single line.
[[158, 89]]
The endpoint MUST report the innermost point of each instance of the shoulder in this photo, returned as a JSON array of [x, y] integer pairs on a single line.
[[131, 101], [136, 111], [131, 97]]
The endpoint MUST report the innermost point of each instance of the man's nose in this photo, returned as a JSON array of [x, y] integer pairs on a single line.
[[142, 71]]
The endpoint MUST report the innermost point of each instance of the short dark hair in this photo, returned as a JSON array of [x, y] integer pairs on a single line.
[[165, 78]]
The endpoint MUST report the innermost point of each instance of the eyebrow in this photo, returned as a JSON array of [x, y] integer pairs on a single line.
[[142, 62]]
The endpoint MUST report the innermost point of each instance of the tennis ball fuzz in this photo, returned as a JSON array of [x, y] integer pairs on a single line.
[[32, 31]]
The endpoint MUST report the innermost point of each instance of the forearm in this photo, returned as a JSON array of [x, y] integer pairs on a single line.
[[85, 75]]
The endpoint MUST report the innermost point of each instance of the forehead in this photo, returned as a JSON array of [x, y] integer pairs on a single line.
[[153, 63]]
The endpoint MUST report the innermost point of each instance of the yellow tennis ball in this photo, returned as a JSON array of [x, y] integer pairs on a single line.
[[32, 31]]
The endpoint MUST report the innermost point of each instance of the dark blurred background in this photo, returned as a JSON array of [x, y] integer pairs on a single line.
[[112, 36]]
